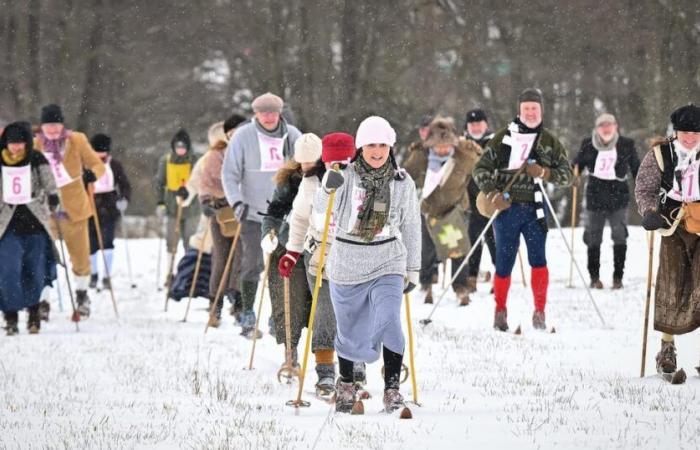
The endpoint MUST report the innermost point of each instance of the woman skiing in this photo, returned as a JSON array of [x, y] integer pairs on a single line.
[[27, 261], [305, 235], [375, 258], [112, 194], [668, 199]]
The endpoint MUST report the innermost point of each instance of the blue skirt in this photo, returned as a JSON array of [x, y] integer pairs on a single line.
[[27, 265]]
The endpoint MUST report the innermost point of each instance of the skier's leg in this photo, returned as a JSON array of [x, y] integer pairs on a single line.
[[593, 237]]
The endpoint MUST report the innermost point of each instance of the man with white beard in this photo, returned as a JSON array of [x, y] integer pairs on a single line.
[[609, 159]]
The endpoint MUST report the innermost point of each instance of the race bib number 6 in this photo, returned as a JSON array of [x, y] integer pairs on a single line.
[[17, 185]]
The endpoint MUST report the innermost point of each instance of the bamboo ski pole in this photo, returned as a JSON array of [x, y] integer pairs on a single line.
[[298, 402], [650, 269], [574, 204], [224, 277], [257, 319], [76, 315], [197, 267], [171, 265], [100, 242]]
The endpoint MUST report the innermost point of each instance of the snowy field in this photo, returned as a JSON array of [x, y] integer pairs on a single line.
[[149, 380]]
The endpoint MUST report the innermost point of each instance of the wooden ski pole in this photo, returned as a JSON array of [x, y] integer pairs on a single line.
[[161, 224], [197, 266], [650, 269], [257, 319], [224, 277], [314, 299], [100, 242], [126, 247], [287, 371], [409, 324], [76, 315], [574, 204], [171, 265]]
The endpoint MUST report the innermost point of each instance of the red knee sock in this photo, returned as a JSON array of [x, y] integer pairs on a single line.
[[501, 285], [539, 282]]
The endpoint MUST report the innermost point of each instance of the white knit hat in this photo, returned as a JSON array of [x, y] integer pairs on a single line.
[[375, 130], [307, 148]]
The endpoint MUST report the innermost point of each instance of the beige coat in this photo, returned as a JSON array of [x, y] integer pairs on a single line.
[[78, 155]]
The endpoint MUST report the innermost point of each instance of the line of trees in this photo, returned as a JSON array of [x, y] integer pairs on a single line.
[[139, 70]]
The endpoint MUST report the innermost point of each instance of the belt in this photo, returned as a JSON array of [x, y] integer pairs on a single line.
[[348, 241]]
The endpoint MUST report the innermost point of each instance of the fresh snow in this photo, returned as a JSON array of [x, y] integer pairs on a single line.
[[148, 380]]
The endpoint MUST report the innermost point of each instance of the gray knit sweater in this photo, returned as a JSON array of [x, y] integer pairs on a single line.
[[350, 263], [243, 178]]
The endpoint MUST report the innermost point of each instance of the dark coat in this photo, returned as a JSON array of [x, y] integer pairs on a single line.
[[106, 203], [608, 195]]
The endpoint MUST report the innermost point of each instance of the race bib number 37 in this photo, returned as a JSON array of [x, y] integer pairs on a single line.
[[17, 185], [605, 165]]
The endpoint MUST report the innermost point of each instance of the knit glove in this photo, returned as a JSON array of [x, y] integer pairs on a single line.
[[269, 243], [183, 193], [160, 210], [332, 180], [89, 176], [122, 204], [287, 263], [536, 171], [500, 201], [208, 209], [653, 221], [53, 201], [410, 281], [240, 210]]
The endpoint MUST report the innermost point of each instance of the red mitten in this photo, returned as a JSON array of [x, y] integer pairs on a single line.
[[287, 263]]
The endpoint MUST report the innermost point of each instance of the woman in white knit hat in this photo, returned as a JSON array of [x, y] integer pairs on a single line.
[[374, 260]]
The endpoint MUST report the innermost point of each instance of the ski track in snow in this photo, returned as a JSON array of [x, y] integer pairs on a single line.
[[148, 380]]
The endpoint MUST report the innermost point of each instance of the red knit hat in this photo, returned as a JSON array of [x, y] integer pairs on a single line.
[[337, 147]]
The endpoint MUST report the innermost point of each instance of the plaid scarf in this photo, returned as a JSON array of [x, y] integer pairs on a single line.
[[55, 147], [374, 212]]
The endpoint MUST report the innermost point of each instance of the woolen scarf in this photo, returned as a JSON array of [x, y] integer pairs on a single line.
[[374, 212]]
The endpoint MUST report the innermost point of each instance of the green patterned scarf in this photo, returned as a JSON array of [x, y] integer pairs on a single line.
[[374, 212]]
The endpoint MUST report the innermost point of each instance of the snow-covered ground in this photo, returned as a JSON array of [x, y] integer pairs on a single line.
[[149, 380]]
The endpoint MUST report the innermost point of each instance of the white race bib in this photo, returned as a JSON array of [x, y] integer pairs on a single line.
[[60, 174], [605, 165], [520, 146], [432, 180], [689, 191], [358, 197], [106, 182], [17, 185], [271, 152]]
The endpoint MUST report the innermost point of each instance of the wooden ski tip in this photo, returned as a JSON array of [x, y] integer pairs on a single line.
[[406, 414], [518, 331], [358, 408]]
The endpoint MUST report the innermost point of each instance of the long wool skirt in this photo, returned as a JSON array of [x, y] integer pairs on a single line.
[[368, 315], [27, 265], [677, 298]]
